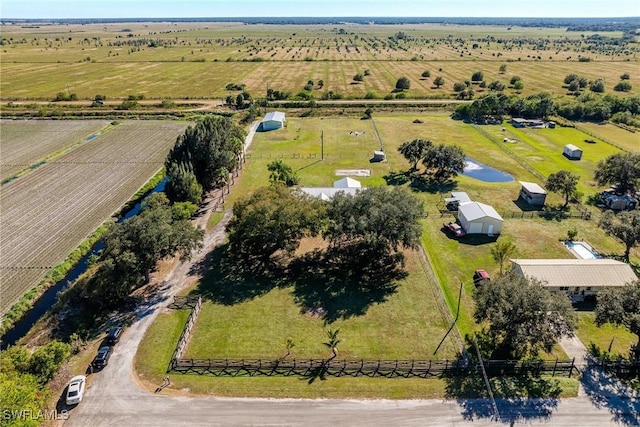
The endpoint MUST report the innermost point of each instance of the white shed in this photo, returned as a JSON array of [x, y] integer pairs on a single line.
[[572, 152], [272, 121], [478, 218], [532, 193], [347, 183]]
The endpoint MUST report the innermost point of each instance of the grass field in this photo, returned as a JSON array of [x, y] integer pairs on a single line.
[[629, 141], [47, 212], [113, 59]]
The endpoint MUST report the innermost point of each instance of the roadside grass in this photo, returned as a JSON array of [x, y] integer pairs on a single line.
[[406, 325], [157, 345], [214, 219], [618, 338]]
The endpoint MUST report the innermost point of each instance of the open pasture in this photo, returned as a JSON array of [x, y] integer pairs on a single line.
[[121, 59], [46, 213], [622, 138], [25, 143]]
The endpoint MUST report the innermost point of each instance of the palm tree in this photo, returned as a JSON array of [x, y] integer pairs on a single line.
[[502, 251], [288, 345], [332, 343]]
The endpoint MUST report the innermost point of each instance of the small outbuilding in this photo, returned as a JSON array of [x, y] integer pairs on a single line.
[[532, 193], [379, 156], [457, 197], [272, 121], [572, 152], [478, 218]]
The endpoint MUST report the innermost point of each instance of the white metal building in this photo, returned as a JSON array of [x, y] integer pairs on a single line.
[[478, 218], [272, 121], [572, 152]]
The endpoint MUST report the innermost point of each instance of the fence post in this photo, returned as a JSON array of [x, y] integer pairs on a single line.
[[573, 361], [554, 368]]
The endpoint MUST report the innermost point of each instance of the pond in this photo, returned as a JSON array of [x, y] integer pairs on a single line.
[[482, 172]]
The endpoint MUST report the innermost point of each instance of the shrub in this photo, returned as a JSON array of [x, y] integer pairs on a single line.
[[622, 86], [403, 83]]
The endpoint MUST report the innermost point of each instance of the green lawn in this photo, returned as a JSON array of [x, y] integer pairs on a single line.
[[408, 324], [619, 339]]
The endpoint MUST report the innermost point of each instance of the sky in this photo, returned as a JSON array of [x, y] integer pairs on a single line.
[[42, 9]]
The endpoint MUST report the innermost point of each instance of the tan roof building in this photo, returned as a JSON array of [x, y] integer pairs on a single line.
[[577, 277]]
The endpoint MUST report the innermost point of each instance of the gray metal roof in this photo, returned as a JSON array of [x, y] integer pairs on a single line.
[[576, 272], [532, 187], [276, 116], [476, 210]]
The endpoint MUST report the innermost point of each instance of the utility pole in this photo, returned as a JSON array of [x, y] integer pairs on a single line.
[[322, 145]]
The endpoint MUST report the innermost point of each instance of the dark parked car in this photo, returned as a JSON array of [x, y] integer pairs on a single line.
[[114, 335], [102, 358], [480, 276]]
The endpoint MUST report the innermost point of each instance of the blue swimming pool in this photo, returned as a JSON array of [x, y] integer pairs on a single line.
[[482, 172]]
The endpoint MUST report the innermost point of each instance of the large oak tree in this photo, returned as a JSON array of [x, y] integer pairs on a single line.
[[522, 317]]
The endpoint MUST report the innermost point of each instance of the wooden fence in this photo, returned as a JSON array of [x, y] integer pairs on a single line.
[[186, 331], [581, 214], [366, 368], [621, 368]]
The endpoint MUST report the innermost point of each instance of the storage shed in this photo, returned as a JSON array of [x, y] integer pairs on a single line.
[[532, 193], [572, 152], [272, 121], [478, 218], [379, 156], [457, 197]]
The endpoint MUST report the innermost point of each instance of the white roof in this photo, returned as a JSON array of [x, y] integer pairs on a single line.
[[577, 272], [327, 193], [460, 196], [276, 116], [572, 147], [347, 183], [476, 210], [532, 187]]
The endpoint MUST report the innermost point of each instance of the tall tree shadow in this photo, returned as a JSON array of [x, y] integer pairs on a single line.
[[344, 282], [605, 391], [517, 398], [230, 280]]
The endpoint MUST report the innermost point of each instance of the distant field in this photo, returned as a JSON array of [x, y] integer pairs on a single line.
[[121, 59], [46, 213], [24, 143], [630, 141]]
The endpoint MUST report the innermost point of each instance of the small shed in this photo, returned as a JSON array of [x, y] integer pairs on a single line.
[[379, 156], [478, 218], [347, 183], [272, 121], [572, 152], [532, 193], [457, 197]]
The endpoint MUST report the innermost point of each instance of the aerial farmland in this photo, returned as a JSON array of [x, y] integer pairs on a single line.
[[48, 211]]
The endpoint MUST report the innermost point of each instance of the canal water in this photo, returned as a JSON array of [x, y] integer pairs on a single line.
[[46, 301]]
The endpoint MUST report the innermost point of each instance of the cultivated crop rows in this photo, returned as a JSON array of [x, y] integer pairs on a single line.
[[25, 142], [46, 213]]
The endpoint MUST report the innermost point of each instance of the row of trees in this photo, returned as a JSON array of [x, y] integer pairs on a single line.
[[202, 158], [588, 106]]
